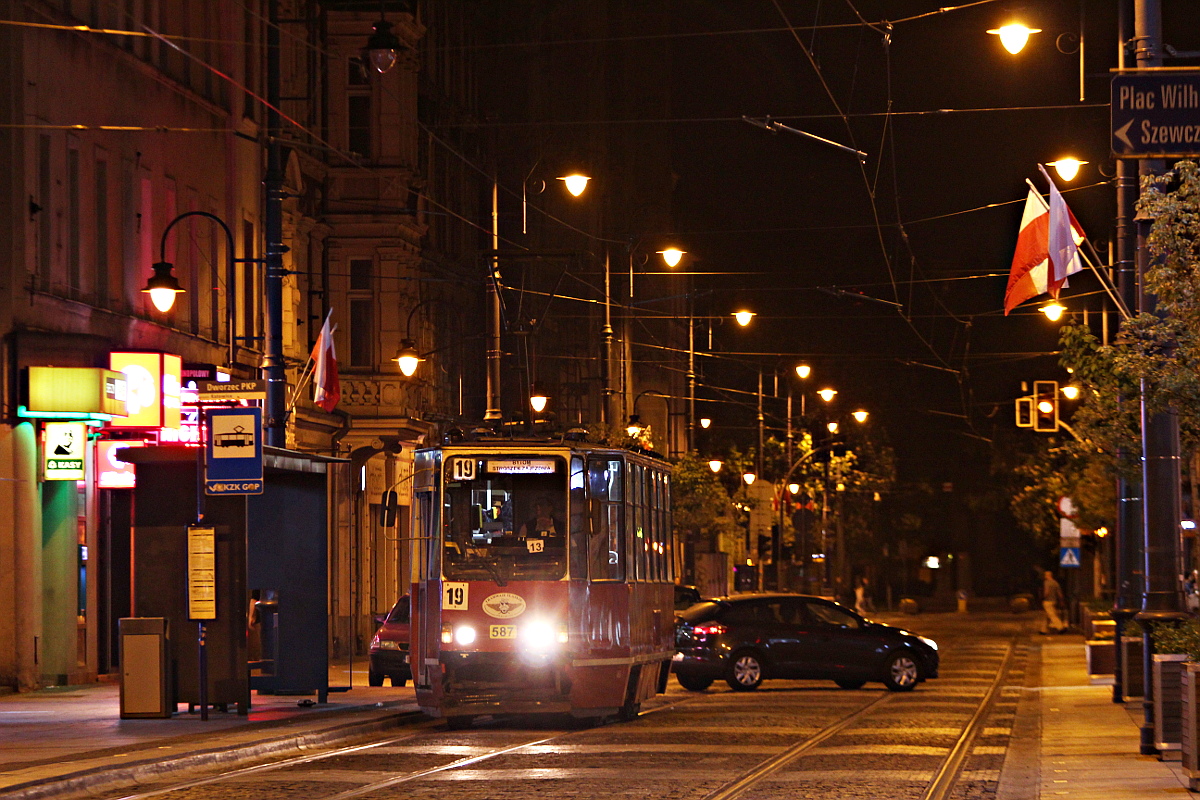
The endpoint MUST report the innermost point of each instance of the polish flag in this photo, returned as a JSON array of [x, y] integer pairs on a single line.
[[327, 390], [1049, 237]]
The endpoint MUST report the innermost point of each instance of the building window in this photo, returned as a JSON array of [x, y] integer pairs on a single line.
[[101, 233], [358, 121], [74, 224], [45, 215], [362, 332], [361, 272]]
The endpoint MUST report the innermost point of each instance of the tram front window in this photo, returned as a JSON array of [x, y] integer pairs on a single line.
[[504, 520]]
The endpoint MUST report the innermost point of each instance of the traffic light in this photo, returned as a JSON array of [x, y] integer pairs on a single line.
[[1024, 412], [1045, 406]]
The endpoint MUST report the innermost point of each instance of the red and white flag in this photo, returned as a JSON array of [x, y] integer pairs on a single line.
[[327, 390], [1043, 258]]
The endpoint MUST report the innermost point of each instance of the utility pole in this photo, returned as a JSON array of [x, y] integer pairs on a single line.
[[273, 367], [1161, 601]]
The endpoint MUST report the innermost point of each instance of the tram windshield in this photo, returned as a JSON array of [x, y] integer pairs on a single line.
[[504, 519]]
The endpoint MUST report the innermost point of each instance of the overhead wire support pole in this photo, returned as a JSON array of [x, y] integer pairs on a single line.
[[493, 411], [273, 366], [771, 125]]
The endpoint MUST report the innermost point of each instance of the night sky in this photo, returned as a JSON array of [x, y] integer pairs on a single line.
[[928, 221]]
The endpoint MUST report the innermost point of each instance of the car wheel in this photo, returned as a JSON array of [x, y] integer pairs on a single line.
[[694, 684], [850, 684], [398, 680], [375, 678], [745, 672], [901, 673]]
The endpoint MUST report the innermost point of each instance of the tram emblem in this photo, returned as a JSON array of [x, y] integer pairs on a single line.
[[504, 605]]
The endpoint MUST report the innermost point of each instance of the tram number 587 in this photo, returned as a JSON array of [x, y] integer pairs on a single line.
[[454, 596]]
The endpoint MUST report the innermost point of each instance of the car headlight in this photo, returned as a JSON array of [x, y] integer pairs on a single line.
[[930, 642], [387, 644]]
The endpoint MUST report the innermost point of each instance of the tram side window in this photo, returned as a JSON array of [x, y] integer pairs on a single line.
[[606, 555], [577, 552], [637, 502], [657, 547], [668, 532]]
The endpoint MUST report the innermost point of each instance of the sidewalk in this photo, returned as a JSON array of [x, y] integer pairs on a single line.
[[1068, 739], [66, 740]]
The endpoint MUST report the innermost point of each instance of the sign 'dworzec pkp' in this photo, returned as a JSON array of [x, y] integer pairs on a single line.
[[233, 455], [1156, 115]]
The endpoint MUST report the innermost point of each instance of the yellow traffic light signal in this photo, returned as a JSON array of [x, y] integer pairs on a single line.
[[1045, 406]]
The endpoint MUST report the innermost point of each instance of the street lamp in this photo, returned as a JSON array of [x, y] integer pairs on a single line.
[[803, 371], [1067, 168], [749, 478], [860, 415], [575, 182], [407, 357], [1053, 311], [538, 397], [383, 47], [672, 256], [1014, 35], [827, 394], [705, 423], [163, 286], [715, 465], [743, 317]]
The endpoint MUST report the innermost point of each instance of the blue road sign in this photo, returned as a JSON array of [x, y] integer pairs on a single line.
[[233, 460], [1156, 115], [1068, 556]]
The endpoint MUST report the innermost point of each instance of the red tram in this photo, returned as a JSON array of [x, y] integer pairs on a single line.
[[542, 578]]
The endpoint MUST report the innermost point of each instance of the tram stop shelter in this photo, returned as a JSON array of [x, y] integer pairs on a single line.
[[270, 631]]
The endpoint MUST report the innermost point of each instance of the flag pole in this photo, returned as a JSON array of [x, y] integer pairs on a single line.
[[1109, 289]]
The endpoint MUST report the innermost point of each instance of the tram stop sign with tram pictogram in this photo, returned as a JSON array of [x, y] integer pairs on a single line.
[[233, 459]]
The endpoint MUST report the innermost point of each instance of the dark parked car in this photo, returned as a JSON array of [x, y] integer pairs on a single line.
[[686, 596], [747, 638], [388, 653]]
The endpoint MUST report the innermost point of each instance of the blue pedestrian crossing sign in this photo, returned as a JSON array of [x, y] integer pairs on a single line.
[[1068, 556]]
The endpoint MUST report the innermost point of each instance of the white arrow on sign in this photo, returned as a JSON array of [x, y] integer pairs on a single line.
[[1122, 133]]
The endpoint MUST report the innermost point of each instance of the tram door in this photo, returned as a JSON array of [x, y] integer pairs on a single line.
[[426, 569]]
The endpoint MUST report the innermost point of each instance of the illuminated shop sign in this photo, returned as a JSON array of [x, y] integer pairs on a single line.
[[111, 471], [84, 391], [63, 451], [153, 398]]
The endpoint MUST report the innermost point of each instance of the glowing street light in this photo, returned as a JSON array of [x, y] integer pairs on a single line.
[[803, 371], [1053, 311], [705, 423], [827, 395], [1067, 168], [715, 465], [833, 427], [672, 255], [1014, 35], [749, 478], [538, 397], [861, 415], [576, 183], [743, 317], [162, 287], [408, 358]]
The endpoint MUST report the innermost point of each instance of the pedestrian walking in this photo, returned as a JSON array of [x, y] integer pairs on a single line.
[[1052, 601]]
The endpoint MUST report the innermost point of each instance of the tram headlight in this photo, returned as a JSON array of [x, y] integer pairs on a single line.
[[542, 635], [464, 634]]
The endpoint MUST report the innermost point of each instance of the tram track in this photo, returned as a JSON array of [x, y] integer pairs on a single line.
[[800, 740], [945, 777]]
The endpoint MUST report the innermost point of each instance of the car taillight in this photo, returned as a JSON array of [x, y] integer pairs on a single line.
[[709, 629]]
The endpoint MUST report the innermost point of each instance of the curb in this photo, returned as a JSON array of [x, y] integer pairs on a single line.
[[90, 781]]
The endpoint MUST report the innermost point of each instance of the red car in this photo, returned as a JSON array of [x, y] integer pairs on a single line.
[[388, 653]]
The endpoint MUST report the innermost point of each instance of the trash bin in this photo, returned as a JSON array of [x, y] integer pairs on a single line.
[[144, 685]]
